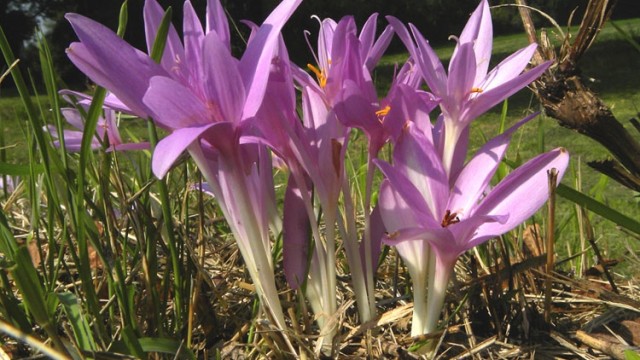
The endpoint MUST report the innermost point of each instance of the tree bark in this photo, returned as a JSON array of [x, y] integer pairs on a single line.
[[574, 105]]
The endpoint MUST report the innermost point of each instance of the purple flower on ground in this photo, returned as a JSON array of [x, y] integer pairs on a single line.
[[432, 222], [106, 129], [467, 90]]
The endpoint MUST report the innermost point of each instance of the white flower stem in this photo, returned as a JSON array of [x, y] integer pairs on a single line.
[[347, 225], [368, 261], [437, 291], [245, 228]]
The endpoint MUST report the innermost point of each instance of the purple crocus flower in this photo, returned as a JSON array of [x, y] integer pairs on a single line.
[[467, 90], [106, 129], [342, 54], [431, 222], [203, 97], [209, 116]]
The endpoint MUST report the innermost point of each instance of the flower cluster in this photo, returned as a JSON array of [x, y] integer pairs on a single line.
[[236, 116]]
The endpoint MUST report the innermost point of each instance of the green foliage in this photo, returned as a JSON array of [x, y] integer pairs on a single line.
[[631, 355], [122, 238]]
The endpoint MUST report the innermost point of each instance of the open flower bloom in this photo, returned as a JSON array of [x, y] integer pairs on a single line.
[[312, 146], [106, 130], [343, 55], [421, 211], [202, 96], [467, 90]]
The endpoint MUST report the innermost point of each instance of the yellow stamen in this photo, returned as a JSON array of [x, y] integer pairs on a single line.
[[449, 218], [322, 79], [384, 111], [476, 90]]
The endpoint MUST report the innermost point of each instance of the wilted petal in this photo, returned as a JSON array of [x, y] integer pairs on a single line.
[[296, 233]]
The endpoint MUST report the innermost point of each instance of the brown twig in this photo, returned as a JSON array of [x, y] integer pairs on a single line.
[[551, 206], [596, 251], [614, 350]]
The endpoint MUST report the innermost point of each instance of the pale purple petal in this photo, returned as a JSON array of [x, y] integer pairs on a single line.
[[415, 156], [409, 104], [193, 41], [476, 175], [430, 65], [376, 231], [409, 194], [479, 31], [379, 47], [463, 233], [368, 35], [488, 99], [216, 20], [509, 68], [174, 106], [223, 82], [397, 215], [459, 154], [112, 63], [325, 42], [173, 50], [521, 193], [171, 147], [404, 36], [462, 74], [256, 61], [129, 147], [355, 111], [73, 117]]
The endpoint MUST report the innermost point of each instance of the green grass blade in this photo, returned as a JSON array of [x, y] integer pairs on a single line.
[[29, 107], [8, 244], [631, 355], [156, 54], [161, 37], [626, 36], [20, 169], [166, 346], [79, 324], [123, 18], [599, 208], [40, 305]]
